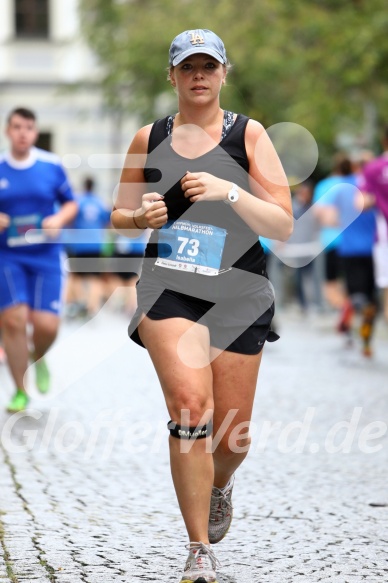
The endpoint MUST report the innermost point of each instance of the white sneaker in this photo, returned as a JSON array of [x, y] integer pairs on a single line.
[[200, 565], [221, 512]]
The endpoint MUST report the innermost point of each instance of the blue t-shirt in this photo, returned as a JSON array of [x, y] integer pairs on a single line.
[[132, 247], [31, 190], [358, 238], [330, 236], [94, 217]]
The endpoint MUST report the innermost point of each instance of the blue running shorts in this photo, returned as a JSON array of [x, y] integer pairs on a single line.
[[38, 287]]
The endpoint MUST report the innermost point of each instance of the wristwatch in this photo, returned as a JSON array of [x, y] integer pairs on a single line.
[[233, 195]]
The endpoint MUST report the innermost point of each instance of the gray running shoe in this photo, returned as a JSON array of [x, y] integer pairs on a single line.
[[221, 512], [200, 565]]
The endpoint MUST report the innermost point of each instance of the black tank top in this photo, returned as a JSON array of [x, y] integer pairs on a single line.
[[163, 171]]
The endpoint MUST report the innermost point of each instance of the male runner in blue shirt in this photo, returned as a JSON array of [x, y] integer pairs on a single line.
[[34, 195]]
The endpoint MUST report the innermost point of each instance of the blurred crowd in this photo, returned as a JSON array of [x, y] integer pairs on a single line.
[[337, 257], [335, 261], [101, 262]]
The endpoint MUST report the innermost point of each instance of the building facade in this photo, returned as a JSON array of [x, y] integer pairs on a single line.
[[46, 66]]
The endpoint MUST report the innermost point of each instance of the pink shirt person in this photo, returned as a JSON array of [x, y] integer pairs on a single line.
[[376, 182]]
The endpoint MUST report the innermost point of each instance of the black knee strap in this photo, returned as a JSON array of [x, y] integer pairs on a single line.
[[181, 432]]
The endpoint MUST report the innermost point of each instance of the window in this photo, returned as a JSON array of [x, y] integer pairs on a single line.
[[44, 141], [32, 18]]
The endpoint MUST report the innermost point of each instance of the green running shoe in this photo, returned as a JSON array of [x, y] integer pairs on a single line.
[[42, 375], [18, 402]]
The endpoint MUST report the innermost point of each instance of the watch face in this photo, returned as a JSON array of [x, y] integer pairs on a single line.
[[233, 194]]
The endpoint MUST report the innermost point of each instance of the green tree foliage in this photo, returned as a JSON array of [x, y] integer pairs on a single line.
[[313, 62]]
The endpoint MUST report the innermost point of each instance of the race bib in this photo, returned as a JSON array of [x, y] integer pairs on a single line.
[[191, 247], [16, 232]]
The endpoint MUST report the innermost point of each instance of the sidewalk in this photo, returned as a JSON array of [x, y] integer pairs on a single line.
[[85, 488]]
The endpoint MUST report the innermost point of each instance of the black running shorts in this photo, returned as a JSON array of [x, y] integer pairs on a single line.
[[232, 324]]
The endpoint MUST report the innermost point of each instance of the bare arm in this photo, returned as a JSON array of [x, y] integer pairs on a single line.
[[54, 223], [4, 222], [327, 216], [365, 201], [134, 208], [269, 211]]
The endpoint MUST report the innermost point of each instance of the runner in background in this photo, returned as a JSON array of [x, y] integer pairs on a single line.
[[34, 196], [126, 260], [375, 193], [302, 249], [355, 253], [333, 289], [85, 286]]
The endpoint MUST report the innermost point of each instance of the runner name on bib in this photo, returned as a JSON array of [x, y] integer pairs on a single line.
[[16, 232], [191, 247]]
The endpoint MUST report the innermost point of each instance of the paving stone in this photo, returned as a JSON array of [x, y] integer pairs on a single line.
[[95, 502]]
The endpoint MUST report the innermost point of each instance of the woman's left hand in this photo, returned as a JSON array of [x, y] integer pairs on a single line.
[[202, 186]]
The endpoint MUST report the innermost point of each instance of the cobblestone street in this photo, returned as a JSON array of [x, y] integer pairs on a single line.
[[85, 487]]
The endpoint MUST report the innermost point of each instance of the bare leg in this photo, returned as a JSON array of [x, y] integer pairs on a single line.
[[45, 329], [95, 292], [74, 292], [334, 294], [190, 389], [385, 303], [14, 322], [192, 474], [234, 385], [130, 296]]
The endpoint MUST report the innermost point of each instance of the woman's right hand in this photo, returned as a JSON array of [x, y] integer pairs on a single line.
[[4, 221], [153, 211]]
